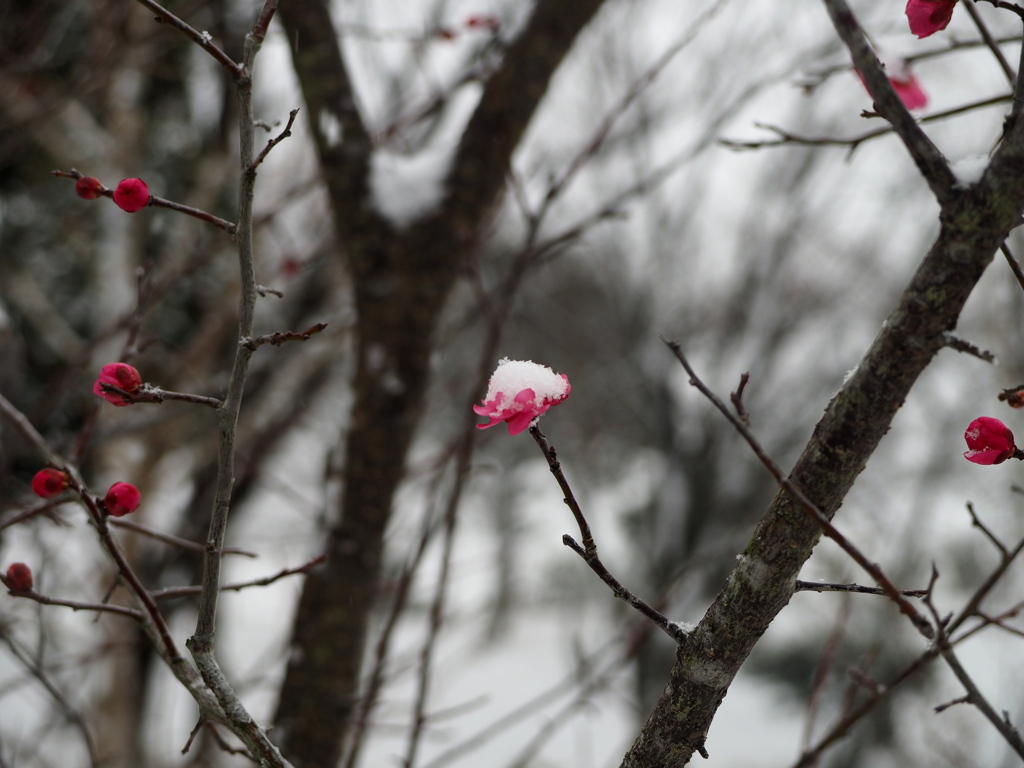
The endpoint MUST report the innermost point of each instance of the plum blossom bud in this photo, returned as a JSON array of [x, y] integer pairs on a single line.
[[927, 17], [989, 441], [519, 392], [122, 499], [88, 188], [19, 577], [120, 375], [132, 195], [483, 22], [48, 483]]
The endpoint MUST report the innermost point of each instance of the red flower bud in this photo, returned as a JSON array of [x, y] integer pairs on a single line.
[[989, 441], [132, 195], [89, 188], [19, 577], [120, 375], [484, 22], [49, 482], [122, 499]]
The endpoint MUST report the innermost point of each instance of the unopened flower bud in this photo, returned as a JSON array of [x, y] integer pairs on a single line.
[[122, 499], [19, 577], [989, 441], [120, 375], [48, 483], [132, 195], [89, 188]]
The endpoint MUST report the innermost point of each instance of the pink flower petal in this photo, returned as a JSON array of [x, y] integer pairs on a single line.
[[989, 441], [927, 17]]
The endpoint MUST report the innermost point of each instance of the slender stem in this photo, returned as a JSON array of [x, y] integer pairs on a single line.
[[919, 621], [588, 551], [991, 42], [929, 160], [205, 632], [167, 538], [171, 593], [75, 605], [201, 644], [819, 586], [202, 39]]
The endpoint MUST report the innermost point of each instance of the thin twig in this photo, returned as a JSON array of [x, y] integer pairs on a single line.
[[736, 398], [960, 345], [588, 551], [974, 694], [202, 39], [922, 624], [70, 713], [990, 41], [1012, 7], [159, 202], [279, 338], [976, 522], [1014, 264], [202, 643], [75, 605], [854, 142], [171, 593], [929, 160], [276, 140], [151, 394], [167, 538], [820, 586]]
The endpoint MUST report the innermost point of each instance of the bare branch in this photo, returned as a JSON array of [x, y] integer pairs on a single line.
[[172, 593], [276, 140], [926, 155], [279, 338], [167, 538], [922, 624], [589, 549], [159, 202], [820, 586], [202, 39], [151, 394]]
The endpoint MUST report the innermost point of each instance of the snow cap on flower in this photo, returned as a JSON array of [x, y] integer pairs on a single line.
[[519, 392], [121, 499], [49, 482], [120, 375], [927, 17], [88, 188], [19, 577], [989, 441], [132, 195]]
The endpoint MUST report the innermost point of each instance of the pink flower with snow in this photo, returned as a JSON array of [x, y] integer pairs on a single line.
[[927, 17], [989, 441], [519, 392]]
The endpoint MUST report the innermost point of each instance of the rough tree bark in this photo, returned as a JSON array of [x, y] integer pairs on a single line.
[[974, 221], [401, 279]]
